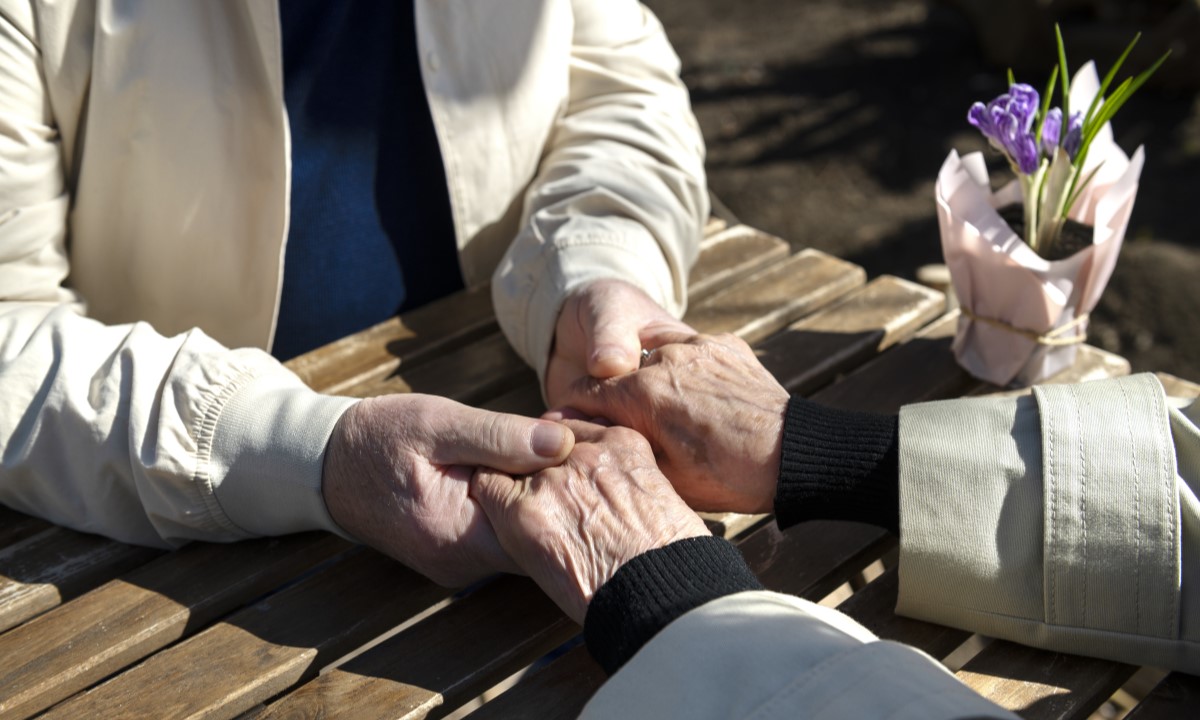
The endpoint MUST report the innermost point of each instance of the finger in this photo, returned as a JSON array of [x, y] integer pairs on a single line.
[[570, 413], [623, 400], [614, 346], [565, 413], [511, 443], [585, 431], [652, 340]]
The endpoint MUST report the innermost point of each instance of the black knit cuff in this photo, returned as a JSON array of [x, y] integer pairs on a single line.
[[838, 465], [658, 586]]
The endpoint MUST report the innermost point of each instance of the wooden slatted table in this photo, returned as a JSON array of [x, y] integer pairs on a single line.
[[310, 626]]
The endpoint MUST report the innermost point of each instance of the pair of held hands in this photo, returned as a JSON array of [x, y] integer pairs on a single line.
[[458, 493]]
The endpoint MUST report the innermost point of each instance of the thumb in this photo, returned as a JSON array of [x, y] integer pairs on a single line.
[[614, 347], [510, 443]]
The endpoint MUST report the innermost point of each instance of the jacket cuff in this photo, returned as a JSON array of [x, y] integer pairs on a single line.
[[650, 591], [267, 452], [1050, 520], [529, 292]]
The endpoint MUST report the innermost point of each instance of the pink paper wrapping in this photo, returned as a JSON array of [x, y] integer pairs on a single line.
[[996, 275]]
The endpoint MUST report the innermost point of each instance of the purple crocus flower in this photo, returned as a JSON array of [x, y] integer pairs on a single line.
[[1007, 122], [1052, 127]]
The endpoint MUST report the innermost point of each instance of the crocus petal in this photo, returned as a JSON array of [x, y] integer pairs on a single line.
[[1025, 151], [1007, 123], [979, 117], [1051, 128], [1074, 135], [1023, 103]]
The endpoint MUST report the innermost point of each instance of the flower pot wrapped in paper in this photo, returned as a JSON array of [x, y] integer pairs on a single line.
[[1025, 307]]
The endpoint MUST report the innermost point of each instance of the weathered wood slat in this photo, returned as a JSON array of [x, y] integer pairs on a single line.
[[56, 564], [483, 369], [73, 646], [714, 225], [730, 255], [448, 658], [812, 559], [430, 331], [767, 300], [1039, 685], [556, 692], [15, 526], [920, 369], [267, 648], [1177, 696], [812, 351]]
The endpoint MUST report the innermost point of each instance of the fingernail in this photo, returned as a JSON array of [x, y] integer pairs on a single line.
[[547, 439], [609, 354]]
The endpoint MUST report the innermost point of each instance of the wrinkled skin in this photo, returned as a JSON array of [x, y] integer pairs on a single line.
[[397, 472], [600, 333], [572, 527], [712, 413]]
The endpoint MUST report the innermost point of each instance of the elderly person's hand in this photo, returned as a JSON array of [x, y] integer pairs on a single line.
[[572, 527], [396, 477], [601, 330], [712, 412]]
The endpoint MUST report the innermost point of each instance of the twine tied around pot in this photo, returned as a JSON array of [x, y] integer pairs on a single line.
[[1053, 338]]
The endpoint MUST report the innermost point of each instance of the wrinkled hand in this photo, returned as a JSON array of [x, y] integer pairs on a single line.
[[397, 472], [601, 330], [572, 527], [712, 413]]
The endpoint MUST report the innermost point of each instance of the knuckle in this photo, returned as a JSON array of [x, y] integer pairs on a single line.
[[628, 438]]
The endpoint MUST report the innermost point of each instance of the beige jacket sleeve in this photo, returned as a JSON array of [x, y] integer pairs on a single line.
[[620, 192], [1066, 520], [763, 655], [118, 430]]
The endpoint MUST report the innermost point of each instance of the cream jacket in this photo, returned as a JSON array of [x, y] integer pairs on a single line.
[[1065, 520], [144, 170]]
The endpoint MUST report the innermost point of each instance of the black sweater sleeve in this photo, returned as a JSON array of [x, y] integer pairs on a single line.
[[650, 591], [838, 465], [835, 465]]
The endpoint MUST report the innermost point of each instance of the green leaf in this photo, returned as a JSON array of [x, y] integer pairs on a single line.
[[1113, 104], [1012, 79], [1112, 73], [1046, 104], [1110, 107], [1066, 77]]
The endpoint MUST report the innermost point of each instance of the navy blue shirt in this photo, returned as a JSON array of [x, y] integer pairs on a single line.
[[371, 232]]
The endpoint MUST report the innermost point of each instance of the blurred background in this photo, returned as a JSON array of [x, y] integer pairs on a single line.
[[827, 121]]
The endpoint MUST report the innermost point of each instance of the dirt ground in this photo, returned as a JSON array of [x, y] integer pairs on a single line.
[[827, 121]]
